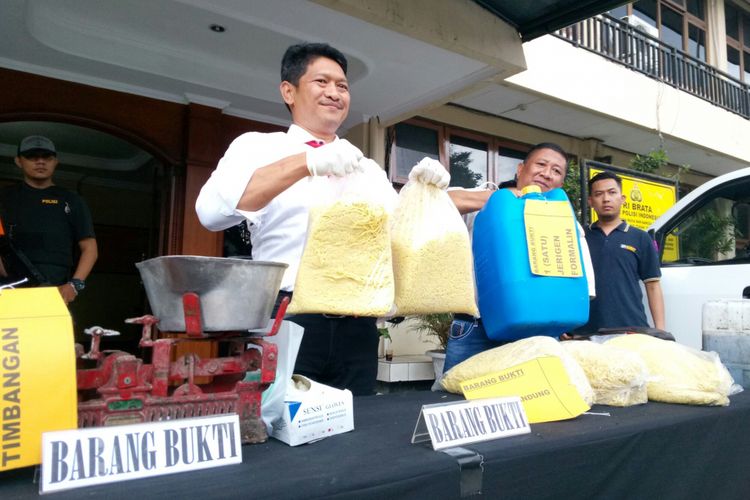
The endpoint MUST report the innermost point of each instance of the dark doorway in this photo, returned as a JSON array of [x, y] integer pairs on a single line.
[[121, 183]]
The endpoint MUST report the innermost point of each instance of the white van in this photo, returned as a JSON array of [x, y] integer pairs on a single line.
[[708, 254]]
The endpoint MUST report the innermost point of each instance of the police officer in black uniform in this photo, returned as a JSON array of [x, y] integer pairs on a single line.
[[44, 222]]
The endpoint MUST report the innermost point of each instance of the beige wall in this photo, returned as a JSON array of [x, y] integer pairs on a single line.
[[460, 26]]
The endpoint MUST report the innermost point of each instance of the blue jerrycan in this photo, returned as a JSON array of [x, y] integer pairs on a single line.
[[514, 302]]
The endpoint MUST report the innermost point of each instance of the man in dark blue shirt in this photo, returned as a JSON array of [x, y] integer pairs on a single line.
[[45, 222], [622, 256]]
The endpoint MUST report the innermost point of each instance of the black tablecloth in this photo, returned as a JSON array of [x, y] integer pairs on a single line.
[[648, 451]]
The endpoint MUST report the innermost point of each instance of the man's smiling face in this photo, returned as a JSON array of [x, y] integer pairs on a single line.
[[320, 102]]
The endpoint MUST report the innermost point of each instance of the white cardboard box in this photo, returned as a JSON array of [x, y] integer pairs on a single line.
[[313, 414]]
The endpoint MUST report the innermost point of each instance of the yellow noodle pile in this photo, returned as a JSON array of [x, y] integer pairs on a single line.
[[435, 277], [432, 260], [346, 265], [679, 374], [617, 376]]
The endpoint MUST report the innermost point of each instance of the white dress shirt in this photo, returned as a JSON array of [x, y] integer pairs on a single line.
[[278, 230]]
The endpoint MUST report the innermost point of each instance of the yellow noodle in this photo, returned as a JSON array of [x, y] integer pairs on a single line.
[[346, 265], [679, 374], [434, 277], [432, 260], [617, 376]]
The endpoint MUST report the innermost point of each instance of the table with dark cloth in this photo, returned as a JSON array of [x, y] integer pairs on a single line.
[[649, 451]]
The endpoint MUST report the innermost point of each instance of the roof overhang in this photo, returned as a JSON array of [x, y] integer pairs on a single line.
[[540, 17]]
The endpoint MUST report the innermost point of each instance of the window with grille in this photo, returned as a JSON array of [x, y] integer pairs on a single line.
[[738, 41], [472, 158]]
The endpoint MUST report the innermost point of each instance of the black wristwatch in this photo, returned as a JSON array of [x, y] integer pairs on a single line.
[[78, 285]]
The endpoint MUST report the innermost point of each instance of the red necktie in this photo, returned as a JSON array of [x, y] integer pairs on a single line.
[[315, 144]]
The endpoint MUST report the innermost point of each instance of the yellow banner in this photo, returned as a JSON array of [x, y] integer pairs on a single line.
[[552, 239], [542, 384], [645, 201], [37, 370]]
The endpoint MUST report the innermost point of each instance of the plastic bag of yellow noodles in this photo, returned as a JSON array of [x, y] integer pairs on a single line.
[[346, 266], [680, 374], [515, 353], [432, 260], [618, 376]]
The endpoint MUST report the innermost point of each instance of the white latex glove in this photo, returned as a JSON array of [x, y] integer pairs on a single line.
[[369, 164], [429, 171], [337, 158]]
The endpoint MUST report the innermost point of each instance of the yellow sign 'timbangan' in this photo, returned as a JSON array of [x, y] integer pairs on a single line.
[[37, 372]]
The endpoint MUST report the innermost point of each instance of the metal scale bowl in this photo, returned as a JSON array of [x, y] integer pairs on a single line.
[[235, 294], [221, 301]]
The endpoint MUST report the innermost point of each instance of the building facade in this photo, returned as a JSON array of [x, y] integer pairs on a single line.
[[143, 100]]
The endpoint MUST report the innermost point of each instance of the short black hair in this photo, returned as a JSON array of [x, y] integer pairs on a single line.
[[297, 57], [548, 145], [604, 175]]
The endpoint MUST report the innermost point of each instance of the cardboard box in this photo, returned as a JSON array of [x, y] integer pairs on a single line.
[[313, 411]]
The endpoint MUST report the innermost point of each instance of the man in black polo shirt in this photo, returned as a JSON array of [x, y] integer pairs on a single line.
[[622, 256], [44, 221]]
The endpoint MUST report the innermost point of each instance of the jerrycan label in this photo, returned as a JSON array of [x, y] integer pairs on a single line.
[[552, 239]]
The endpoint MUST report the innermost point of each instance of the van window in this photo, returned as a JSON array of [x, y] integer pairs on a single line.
[[715, 230]]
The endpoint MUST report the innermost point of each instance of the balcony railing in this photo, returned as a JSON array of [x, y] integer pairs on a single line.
[[627, 45]]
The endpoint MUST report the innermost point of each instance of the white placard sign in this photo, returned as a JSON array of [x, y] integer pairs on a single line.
[[97, 455], [462, 422]]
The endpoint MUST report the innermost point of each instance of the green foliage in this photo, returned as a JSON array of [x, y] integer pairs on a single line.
[[654, 161], [651, 162], [682, 169], [572, 186], [436, 325], [710, 233], [461, 173], [384, 333]]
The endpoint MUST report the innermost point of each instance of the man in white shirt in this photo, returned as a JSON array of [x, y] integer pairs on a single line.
[[265, 179]]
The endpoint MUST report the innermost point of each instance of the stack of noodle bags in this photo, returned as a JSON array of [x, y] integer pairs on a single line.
[[625, 370], [631, 369]]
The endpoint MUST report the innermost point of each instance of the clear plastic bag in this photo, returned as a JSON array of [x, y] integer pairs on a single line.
[[288, 340], [432, 260], [515, 353], [346, 265], [681, 374], [618, 377]]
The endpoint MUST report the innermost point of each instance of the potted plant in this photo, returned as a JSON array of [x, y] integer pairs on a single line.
[[385, 343], [438, 327]]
